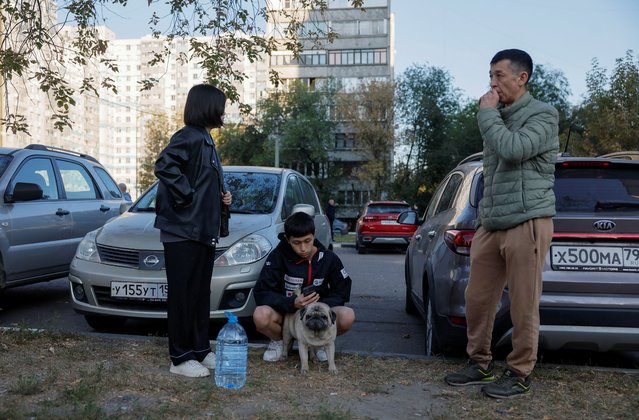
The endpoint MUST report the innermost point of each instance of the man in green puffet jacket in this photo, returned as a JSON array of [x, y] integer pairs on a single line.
[[515, 225]]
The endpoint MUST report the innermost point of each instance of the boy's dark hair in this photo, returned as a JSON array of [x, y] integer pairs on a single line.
[[204, 106], [298, 225], [519, 60]]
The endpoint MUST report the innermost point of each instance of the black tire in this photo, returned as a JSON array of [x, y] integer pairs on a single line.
[[3, 276], [432, 346], [104, 323], [409, 305], [361, 249]]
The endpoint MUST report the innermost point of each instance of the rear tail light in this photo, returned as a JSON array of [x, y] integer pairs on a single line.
[[587, 163], [459, 240], [457, 320], [594, 236]]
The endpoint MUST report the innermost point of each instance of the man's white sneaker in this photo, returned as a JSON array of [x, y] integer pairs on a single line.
[[321, 355], [209, 361], [274, 351], [190, 369]]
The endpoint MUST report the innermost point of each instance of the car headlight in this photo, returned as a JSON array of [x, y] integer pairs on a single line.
[[250, 249], [88, 249]]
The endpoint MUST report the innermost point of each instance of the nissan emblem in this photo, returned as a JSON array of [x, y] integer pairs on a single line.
[[151, 260]]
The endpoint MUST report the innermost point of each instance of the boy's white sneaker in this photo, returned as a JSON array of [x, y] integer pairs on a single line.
[[274, 351], [321, 354]]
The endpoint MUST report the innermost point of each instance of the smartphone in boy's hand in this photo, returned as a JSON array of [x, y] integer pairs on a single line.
[[308, 290]]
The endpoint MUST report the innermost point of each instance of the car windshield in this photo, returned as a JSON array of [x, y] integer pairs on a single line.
[[387, 208], [253, 193], [588, 189], [4, 163]]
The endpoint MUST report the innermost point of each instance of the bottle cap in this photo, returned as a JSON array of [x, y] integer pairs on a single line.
[[232, 318]]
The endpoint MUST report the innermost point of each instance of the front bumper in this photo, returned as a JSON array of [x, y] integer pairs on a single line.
[[95, 278]]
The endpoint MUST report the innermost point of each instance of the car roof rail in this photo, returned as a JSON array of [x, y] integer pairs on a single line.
[[60, 150], [475, 157], [629, 155]]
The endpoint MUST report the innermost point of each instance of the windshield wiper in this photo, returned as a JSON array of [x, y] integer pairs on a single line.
[[145, 209], [606, 205], [245, 211]]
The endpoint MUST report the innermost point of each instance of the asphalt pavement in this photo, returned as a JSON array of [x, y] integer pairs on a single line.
[[382, 326], [377, 296]]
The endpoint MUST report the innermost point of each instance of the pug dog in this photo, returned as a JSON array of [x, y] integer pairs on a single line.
[[313, 327]]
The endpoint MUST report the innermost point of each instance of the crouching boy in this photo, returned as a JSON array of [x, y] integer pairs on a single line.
[[299, 261]]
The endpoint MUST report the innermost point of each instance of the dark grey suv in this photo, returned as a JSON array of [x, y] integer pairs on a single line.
[[590, 297], [50, 199]]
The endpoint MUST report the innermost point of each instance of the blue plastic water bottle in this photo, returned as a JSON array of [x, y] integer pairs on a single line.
[[230, 359]]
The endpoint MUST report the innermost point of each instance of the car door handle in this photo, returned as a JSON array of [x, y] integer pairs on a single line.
[[62, 212], [104, 208], [431, 234]]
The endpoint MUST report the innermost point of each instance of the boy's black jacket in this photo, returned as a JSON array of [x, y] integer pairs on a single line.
[[284, 272]]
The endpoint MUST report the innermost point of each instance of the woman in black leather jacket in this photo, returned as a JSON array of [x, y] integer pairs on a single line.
[[188, 204]]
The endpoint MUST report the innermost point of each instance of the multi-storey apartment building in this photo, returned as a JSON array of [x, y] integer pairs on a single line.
[[112, 126], [362, 52]]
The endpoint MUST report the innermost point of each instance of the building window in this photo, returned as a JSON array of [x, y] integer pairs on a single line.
[[358, 57], [344, 141], [355, 198], [345, 28], [305, 59], [372, 27]]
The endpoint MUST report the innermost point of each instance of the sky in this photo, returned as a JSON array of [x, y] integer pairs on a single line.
[[461, 36]]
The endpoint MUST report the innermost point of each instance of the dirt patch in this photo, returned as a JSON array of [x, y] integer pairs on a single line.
[[50, 375]]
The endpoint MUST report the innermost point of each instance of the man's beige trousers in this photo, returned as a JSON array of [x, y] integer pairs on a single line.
[[512, 258]]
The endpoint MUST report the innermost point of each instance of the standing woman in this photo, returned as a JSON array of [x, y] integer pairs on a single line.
[[188, 207]]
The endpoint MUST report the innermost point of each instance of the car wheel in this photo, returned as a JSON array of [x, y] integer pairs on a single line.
[[409, 306], [432, 338], [104, 323], [3, 276], [361, 249]]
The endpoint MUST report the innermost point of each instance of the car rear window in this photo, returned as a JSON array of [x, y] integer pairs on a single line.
[[387, 208], [589, 189]]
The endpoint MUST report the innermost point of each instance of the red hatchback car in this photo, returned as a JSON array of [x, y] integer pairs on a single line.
[[377, 226]]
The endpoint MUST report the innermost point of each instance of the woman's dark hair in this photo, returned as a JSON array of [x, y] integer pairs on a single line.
[[204, 106], [298, 225]]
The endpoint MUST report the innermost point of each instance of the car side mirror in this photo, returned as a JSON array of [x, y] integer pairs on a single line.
[[124, 207], [408, 217], [304, 208], [24, 191]]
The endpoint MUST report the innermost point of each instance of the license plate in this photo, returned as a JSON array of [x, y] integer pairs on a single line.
[[389, 222], [595, 258], [139, 291]]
